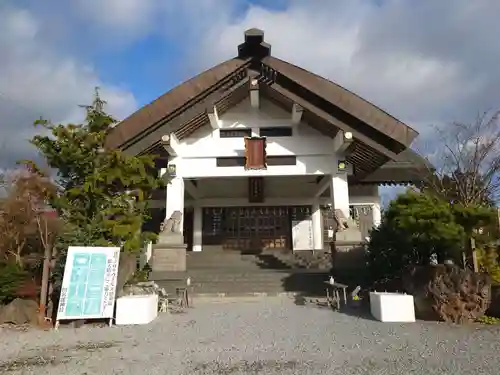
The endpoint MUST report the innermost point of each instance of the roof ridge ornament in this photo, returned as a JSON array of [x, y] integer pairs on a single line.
[[254, 45]]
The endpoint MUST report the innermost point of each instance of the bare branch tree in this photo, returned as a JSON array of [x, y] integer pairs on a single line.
[[466, 158], [27, 195]]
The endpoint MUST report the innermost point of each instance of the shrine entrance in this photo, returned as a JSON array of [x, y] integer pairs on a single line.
[[252, 228]]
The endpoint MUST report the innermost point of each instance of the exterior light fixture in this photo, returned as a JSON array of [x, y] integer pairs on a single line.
[[172, 170], [341, 166]]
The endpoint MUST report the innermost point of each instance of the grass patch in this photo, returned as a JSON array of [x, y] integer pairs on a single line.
[[490, 320]]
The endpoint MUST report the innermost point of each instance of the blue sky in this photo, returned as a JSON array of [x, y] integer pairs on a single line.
[[426, 62]]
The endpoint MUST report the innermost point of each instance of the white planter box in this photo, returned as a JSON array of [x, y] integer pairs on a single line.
[[392, 307], [136, 309]]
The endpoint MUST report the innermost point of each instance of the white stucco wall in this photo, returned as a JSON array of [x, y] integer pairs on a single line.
[[284, 185], [199, 152]]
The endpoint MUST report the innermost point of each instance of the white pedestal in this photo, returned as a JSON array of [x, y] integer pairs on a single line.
[[392, 307], [141, 309]]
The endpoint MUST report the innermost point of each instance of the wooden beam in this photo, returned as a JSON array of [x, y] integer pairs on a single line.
[[333, 120], [322, 186], [153, 135], [213, 117], [191, 189], [254, 92], [297, 111], [342, 141], [170, 143]]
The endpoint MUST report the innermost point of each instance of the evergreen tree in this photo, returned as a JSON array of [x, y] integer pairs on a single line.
[[103, 193], [417, 225]]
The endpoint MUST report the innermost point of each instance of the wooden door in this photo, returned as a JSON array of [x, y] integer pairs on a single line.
[[247, 228]]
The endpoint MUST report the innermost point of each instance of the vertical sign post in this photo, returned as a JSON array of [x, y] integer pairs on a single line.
[[89, 284]]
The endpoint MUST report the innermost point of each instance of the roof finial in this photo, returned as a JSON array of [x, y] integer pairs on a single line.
[[254, 35], [254, 45]]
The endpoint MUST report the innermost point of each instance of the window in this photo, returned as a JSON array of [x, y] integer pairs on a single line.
[[281, 160], [235, 133], [231, 161], [239, 161], [276, 132]]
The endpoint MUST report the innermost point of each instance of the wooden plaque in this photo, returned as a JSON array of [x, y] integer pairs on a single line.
[[256, 189], [255, 153]]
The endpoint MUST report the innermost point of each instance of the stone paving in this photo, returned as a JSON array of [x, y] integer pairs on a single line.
[[255, 336]]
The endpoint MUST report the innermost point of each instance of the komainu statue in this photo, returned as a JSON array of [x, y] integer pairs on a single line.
[[170, 229]]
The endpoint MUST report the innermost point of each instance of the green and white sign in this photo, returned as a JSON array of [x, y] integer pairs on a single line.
[[89, 283]]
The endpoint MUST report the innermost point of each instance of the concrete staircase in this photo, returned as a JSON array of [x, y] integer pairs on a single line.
[[233, 273]]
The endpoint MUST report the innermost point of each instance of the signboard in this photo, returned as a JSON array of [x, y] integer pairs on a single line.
[[89, 283], [255, 153], [302, 235]]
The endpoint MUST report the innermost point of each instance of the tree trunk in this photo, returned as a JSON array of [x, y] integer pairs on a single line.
[[45, 282]]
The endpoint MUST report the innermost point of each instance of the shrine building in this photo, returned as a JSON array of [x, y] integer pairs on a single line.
[[261, 153]]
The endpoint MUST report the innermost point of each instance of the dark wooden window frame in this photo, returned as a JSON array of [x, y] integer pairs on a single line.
[[278, 131], [282, 160], [235, 133], [231, 161], [239, 161]]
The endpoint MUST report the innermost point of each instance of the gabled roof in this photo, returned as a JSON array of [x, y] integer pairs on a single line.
[[379, 137], [408, 168], [170, 103]]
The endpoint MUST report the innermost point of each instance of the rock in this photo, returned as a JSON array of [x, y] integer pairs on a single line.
[[449, 293], [19, 312]]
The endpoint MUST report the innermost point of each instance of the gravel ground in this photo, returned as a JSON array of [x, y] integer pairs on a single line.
[[259, 336]]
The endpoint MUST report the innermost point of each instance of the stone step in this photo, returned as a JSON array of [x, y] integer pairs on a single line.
[[269, 262], [257, 275], [250, 271], [251, 278], [222, 263], [221, 259], [255, 288]]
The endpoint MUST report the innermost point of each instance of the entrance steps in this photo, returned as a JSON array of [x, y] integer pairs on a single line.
[[233, 273]]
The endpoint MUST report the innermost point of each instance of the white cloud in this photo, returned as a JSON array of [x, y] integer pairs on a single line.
[[132, 18], [37, 81], [426, 62], [388, 53]]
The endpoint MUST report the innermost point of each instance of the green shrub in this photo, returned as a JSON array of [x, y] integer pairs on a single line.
[[489, 320], [11, 278], [413, 227], [140, 275], [487, 259]]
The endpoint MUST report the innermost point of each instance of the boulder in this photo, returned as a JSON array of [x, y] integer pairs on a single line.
[[19, 312], [448, 293]]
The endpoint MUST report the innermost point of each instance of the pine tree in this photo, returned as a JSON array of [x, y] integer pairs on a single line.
[[103, 193]]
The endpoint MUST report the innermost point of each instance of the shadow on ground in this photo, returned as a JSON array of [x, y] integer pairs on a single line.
[[362, 312], [309, 284]]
